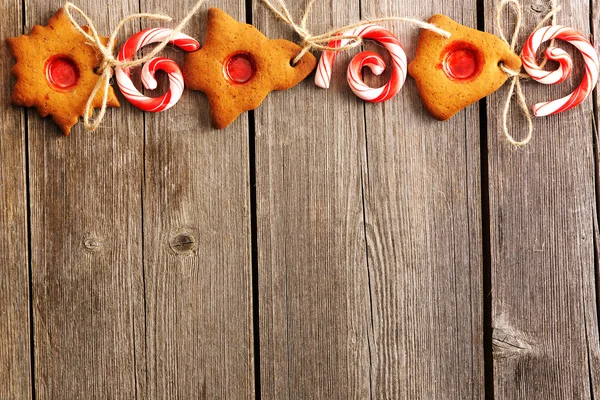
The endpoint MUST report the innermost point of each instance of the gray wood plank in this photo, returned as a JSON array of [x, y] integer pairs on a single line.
[[87, 244], [15, 373], [313, 282], [197, 244], [594, 331], [422, 190], [542, 211], [401, 318]]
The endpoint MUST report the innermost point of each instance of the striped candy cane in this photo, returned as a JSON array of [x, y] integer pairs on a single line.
[[367, 59], [590, 58], [176, 84]]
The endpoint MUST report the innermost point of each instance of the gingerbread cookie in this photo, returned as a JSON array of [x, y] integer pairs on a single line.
[[55, 71], [238, 66], [456, 72]]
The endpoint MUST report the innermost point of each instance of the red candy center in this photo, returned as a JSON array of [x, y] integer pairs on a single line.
[[61, 73], [461, 64], [462, 61], [240, 68]]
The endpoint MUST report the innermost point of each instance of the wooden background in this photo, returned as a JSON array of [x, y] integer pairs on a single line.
[[319, 248]]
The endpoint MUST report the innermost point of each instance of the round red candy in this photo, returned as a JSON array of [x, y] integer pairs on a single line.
[[240, 68], [62, 73], [462, 61], [461, 64]]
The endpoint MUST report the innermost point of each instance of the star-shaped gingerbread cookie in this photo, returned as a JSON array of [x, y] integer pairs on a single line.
[[238, 66], [55, 71]]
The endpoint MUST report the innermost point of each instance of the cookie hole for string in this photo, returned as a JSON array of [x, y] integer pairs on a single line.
[[62, 74], [502, 67], [239, 68]]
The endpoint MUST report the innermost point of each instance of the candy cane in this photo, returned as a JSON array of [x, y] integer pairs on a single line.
[[590, 58], [367, 59], [176, 85]]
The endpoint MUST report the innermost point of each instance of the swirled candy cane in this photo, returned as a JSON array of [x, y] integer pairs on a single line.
[[564, 69], [176, 84], [367, 59]]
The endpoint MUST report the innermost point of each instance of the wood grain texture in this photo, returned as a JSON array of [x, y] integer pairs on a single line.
[[87, 244], [402, 318], [542, 213], [369, 236], [197, 244], [593, 332], [15, 368], [423, 228], [313, 281]]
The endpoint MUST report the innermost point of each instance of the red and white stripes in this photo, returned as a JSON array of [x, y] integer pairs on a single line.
[[176, 83], [367, 59], [564, 69]]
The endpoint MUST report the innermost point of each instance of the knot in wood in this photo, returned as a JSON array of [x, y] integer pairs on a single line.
[[183, 243], [508, 342], [538, 8], [92, 244]]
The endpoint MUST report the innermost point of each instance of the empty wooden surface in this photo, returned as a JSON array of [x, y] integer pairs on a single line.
[[320, 247]]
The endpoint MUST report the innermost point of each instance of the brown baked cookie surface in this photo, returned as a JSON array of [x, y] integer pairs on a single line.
[[238, 66], [55, 71], [452, 73]]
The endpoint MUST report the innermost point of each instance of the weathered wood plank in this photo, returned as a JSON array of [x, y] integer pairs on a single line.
[[87, 244], [542, 209], [593, 332], [339, 320], [422, 185], [15, 370], [197, 244], [313, 283]]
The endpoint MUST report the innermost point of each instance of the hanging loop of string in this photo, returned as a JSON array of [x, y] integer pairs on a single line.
[[321, 42], [109, 61], [516, 76]]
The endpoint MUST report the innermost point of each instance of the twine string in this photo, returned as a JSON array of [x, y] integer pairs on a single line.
[[516, 76], [309, 42], [109, 61], [321, 42]]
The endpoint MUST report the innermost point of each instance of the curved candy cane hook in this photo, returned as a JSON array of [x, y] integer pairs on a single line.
[[564, 69], [176, 83], [367, 59]]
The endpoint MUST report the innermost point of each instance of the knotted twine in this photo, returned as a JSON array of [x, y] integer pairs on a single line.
[[321, 42], [309, 42], [516, 76], [109, 62]]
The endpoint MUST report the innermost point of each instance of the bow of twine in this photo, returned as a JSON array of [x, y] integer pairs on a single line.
[[515, 75], [309, 42], [109, 61], [321, 42]]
